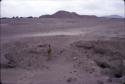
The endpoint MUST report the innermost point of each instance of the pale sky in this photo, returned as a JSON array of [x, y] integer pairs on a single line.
[[24, 8]]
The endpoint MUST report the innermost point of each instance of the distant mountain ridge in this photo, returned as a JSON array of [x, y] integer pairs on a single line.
[[66, 14], [114, 16]]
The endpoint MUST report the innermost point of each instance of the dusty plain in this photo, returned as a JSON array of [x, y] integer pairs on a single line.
[[62, 51]]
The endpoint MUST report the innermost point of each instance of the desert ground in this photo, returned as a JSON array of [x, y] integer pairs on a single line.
[[62, 51]]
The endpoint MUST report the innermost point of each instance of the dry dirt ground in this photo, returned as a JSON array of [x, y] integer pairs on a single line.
[[62, 51]]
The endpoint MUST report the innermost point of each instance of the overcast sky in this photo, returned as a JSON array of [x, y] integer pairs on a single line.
[[26, 8]]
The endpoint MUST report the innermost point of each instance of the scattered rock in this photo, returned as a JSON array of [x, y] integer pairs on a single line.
[[61, 51], [71, 79], [99, 50], [118, 75], [42, 45], [11, 65], [102, 65], [70, 72], [109, 80], [84, 45], [74, 71], [34, 52]]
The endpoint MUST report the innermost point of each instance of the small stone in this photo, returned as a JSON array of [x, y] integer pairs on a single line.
[[74, 71], [74, 58], [100, 82], [118, 75], [69, 80], [70, 72], [109, 80]]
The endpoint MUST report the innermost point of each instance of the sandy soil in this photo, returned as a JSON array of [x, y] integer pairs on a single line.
[[62, 51]]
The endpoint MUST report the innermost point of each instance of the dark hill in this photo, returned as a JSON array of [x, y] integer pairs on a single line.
[[66, 14]]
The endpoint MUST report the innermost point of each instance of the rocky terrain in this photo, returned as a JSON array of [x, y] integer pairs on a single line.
[[62, 51]]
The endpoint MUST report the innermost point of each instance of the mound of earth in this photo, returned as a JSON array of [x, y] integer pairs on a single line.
[[108, 55]]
